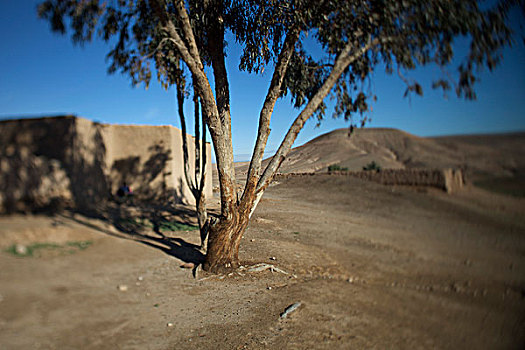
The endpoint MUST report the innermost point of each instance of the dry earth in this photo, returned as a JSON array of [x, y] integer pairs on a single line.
[[372, 266]]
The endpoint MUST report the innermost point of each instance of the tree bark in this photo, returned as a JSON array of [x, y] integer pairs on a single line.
[[219, 123], [223, 150], [224, 239], [225, 236], [202, 218]]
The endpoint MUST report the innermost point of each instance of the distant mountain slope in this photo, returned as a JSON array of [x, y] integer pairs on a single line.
[[490, 154], [495, 155]]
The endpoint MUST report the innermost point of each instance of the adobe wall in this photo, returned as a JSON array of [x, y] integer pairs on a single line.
[[96, 159], [33, 164], [141, 157], [150, 160], [449, 180]]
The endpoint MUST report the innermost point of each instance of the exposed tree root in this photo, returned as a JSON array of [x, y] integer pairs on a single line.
[[242, 270], [263, 267]]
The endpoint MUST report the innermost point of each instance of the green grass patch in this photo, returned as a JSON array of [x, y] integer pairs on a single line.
[[44, 249], [80, 245], [176, 226], [164, 225], [135, 222]]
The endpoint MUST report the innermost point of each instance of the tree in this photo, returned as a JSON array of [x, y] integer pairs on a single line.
[[354, 38], [196, 185]]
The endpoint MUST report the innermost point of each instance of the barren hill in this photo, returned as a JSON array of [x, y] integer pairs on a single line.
[[497, 155]]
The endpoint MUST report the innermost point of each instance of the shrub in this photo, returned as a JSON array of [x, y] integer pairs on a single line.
[[336, 167], [372, 166]]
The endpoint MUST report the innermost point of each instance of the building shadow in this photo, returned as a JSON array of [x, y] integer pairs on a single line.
[[64, 163]]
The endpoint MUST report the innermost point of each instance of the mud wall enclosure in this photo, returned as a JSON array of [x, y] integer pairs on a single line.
[[449, 180], [83, 163]]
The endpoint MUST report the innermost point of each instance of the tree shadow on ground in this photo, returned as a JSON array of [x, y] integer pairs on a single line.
[[153, 226]]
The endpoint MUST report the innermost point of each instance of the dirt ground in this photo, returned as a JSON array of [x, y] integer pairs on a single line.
[[372, 266]]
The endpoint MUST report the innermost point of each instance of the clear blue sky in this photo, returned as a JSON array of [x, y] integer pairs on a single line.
[[43, 73]]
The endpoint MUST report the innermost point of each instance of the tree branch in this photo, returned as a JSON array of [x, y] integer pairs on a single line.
[[342, 62], [210, 112], [188, 32], [149, 55], [190, 55], [203, 156], [186, 165], [196, 112], [216, 32], [159, 7], [223, 143], [267, 110], [175, 38]]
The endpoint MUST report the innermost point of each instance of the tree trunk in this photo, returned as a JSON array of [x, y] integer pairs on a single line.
[[224, 238], [225, 233], [202, 217]]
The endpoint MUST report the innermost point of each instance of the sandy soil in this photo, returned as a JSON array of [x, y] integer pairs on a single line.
[[372, 266]]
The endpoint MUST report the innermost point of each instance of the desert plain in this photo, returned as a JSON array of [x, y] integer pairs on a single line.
[[369, 265]]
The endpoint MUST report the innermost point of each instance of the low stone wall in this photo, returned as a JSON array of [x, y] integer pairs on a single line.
[[449, 180]]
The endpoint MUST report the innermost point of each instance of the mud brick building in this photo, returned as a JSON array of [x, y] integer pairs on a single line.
[[84, 162]]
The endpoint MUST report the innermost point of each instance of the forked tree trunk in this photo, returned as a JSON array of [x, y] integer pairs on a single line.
[[226, 235]]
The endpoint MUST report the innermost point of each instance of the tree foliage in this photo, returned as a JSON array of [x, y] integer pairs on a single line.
[[410, 33]]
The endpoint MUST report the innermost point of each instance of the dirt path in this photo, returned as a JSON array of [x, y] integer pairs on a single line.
[[372, 266]]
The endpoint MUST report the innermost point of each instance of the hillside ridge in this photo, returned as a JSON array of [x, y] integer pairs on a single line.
[[500, 155]]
